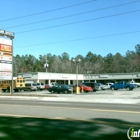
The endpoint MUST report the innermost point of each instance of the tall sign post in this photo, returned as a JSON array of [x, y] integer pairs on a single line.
[[6, 56]]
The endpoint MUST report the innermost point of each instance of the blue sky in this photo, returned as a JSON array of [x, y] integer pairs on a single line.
[[72, 26]]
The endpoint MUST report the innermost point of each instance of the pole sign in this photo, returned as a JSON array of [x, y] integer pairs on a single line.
[[6, 34], [6, 55]]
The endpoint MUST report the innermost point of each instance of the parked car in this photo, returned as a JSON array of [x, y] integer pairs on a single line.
[[135, 83], [53, 84], [107, 85], [72, 87], [83, 88], [47, 86], [93, 85], [101, 86], [30, 87], [60, 88], [40, 86], [123, 85]]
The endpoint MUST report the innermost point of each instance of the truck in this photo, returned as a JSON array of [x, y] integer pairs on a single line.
[[122, 85], [18, 84]]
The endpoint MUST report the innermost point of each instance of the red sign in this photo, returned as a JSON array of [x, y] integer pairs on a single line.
[[5, 48]]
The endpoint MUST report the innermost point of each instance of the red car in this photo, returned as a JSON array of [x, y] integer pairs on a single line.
[[47, 87], [83, 88]]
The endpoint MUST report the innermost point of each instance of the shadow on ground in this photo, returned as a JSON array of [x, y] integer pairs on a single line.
[[14, 128]]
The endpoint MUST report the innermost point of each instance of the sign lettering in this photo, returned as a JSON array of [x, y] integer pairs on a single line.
[[5, 48], [6, 33]]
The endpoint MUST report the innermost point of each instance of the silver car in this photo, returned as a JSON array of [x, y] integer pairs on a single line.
[[30, 87], [40, 86]]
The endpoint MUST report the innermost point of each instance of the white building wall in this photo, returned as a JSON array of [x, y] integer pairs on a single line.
[[42, 77], [59, 76]]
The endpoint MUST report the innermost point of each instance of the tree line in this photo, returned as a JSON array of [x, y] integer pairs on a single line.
[[95, 64]]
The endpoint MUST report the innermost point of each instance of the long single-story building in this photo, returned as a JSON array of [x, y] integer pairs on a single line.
[[47, 78]]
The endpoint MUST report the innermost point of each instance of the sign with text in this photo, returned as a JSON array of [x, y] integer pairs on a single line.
[[4, 67], [6, 33], [6, 41], [5, 75], [5, 48], [5, 59]]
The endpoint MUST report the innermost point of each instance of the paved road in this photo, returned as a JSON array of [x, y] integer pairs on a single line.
[[73, 110], [34, 119]]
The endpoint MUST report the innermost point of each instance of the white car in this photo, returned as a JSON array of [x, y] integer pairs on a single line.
[[101, 86], [107, 85], [135, 83], [40, 86]]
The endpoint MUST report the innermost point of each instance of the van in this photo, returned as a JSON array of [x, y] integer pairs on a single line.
[[30, 87], [40, 86]]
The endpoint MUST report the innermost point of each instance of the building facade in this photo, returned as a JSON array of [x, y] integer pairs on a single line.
[[47, 78]]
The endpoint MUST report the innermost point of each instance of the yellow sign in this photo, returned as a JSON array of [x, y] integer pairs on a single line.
[[5, 48]]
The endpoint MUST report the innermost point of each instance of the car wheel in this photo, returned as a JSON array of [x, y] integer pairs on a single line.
[[52, 91], [128, 88], [65, 91], [16, 90], [4, 90], [112, 88]]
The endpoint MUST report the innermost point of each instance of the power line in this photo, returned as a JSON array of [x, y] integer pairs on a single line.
[[73, 15], [77, 22], [49, 11], [81, 39]]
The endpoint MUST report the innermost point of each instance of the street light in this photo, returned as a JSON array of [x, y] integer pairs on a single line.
[[46, 65], [77, 61]]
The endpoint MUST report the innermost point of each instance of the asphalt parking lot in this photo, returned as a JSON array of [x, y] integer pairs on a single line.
[[121, 96]]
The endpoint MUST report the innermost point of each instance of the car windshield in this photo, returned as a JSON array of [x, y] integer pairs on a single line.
[[83, 85]]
